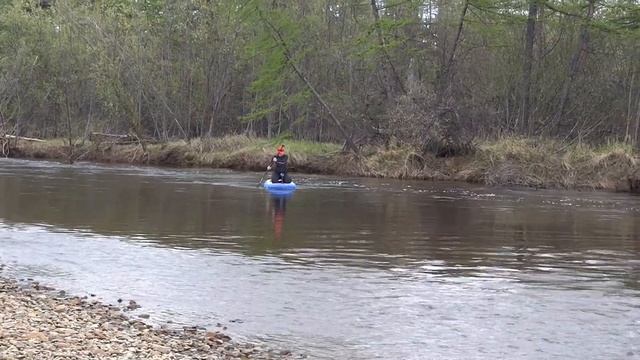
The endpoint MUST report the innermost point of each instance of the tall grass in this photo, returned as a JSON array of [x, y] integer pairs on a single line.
[[549, 163], [540, 163]]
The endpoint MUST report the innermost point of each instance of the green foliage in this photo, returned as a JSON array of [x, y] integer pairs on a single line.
[[277, 42], [168, 69]]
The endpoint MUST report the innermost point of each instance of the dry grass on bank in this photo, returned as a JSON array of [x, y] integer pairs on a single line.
[[539, 163], [551, 164], [235, 152]]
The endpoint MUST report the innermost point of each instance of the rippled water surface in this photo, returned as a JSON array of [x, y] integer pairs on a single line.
[[345, 268]]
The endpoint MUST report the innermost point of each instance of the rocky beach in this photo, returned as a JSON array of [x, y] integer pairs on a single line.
[[38, 322]]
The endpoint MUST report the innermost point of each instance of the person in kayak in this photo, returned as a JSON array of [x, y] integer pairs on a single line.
[[279, 166]]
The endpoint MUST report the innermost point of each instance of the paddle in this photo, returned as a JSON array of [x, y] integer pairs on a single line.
[[263, 175], [262, 178]]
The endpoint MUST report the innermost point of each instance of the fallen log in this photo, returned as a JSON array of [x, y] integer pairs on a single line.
[[118, 139], [105, 135], [22, 138], [98, 138]]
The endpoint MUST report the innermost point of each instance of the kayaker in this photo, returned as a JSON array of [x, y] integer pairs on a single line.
[[279, 166]]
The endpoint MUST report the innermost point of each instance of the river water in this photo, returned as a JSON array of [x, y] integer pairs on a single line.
[[343, 269]]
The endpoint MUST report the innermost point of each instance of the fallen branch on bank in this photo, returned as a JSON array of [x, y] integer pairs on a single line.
[[22, 138], [98, 137], [118, 139]]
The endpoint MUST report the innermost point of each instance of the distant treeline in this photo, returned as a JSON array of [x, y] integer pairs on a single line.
[[423, 73]]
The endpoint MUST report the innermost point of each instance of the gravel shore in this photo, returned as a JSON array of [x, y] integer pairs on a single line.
[[37, 322]]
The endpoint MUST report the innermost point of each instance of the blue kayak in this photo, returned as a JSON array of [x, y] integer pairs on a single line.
[[282, 188]]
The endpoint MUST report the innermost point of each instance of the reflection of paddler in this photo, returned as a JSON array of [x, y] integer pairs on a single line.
[[279, 208]]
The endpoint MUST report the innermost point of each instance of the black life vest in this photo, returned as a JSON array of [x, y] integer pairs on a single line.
[[281, 163]]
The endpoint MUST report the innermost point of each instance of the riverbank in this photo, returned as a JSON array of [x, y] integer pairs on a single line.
[[509, 161], [37, 322]]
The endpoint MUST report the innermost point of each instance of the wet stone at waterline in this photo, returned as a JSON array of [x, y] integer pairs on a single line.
[[36, 324]]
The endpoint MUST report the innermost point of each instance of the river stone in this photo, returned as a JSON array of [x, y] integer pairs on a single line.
[[37, 324], [36, 336], [161, 348]]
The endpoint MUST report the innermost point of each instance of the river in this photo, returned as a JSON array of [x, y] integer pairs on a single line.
[[347, 268]]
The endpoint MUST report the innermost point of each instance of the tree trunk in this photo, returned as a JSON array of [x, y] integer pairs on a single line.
[[387, 57], [636, 132], [349, 144], [527, 121], [446, 73], [577, 60], [447, 116], [627, 134]]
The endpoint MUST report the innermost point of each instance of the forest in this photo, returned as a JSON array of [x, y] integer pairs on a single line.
[[424, 73]]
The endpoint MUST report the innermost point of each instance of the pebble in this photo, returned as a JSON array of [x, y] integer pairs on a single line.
[[37, 323]]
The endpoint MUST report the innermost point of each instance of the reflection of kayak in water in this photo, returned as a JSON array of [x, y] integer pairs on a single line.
[[282, 188], [279, 207]]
